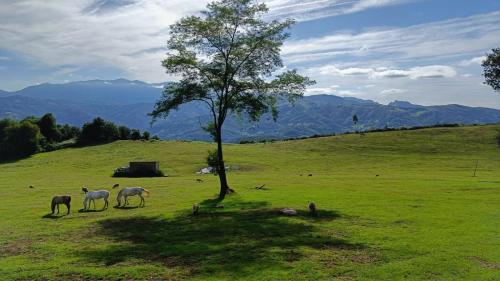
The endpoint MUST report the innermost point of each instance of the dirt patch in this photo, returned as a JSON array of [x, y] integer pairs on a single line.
[[16, 248], [486, 264]]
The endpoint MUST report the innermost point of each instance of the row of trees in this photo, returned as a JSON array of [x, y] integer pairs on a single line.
[[23, 138], [32, 134], [102, 131]]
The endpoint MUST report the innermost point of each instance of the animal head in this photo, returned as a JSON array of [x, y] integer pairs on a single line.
[[116, 185], [85, 190]]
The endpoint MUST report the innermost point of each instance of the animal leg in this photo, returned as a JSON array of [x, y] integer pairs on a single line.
[[68, 206], [58, 209], [85, 204], [142, 200], [93, 200]]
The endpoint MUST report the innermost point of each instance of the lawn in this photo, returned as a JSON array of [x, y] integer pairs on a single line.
[[398, 205]]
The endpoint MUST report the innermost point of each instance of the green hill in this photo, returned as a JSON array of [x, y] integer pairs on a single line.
[[400, 205]]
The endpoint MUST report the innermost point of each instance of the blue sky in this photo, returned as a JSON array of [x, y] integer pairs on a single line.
[[423, 51]]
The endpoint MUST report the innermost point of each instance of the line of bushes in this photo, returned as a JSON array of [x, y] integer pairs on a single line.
[[386, 129], [19, 139]]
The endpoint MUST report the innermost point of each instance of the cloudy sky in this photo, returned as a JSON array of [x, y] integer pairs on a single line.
[[423, 51]]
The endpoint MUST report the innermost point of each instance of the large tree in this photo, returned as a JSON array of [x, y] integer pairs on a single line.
[[491, 67], [226, 58]]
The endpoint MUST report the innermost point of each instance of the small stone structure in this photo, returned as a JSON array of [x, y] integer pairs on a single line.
[[140, 169], [152, 167]]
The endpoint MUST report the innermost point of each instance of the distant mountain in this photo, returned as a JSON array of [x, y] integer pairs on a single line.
[[107, 92], [128, 103]]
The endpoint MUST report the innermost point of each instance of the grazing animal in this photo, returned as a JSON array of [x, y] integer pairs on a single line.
[[90, 196], [32, 186], [116, 185], [60, 199], [199, 180], [196, 209], [312, 208], [376, 175], [131, 191], [310, 175]]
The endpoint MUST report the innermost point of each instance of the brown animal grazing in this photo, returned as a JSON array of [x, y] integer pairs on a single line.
[[310, 175], [196, 209], [60, 199], [199, 180], [312, 208]]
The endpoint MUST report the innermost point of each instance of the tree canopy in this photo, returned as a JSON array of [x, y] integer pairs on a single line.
[[228, 58], [491, 67]]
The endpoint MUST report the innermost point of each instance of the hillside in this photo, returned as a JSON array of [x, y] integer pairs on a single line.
[[393, 206], [129, 102]]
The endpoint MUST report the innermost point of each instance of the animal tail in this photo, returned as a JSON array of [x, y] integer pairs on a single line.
[[145, 190]]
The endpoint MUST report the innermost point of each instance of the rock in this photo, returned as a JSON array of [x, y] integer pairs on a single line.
[[288, 212]]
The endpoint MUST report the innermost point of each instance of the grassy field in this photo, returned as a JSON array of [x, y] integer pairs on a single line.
[[424, 217]]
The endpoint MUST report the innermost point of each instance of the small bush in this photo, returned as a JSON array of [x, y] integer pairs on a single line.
[[213, 160]]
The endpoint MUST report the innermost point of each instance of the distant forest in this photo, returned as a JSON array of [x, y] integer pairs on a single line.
[[19, 139]]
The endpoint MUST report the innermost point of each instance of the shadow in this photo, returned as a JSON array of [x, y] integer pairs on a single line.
[[91, 210], [54, 216], [126, 207], [234, 242]]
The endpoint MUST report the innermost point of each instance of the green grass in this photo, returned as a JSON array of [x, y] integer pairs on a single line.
[[425, 217]]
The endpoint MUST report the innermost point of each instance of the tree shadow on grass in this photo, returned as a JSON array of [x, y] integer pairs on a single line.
[[235, 242]]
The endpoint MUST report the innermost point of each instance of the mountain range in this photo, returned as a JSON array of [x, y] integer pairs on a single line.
[[128, 102]]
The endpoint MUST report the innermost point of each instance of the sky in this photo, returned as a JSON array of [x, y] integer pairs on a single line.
[[423, 51]]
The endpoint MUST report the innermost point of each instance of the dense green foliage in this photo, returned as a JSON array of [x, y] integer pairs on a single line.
[[32, 134], [425, 217], [226, 59], [491, 67], [23, 138], [19, 139]]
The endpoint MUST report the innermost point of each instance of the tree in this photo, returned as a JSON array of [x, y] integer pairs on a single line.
[[48, 128], [20, 140], [135, 135], [124, 132], [491, 66], [98, 131], [226, 58], [355, 119], [145, 135]]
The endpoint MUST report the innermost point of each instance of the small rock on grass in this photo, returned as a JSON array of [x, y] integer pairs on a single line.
[[288, 212]]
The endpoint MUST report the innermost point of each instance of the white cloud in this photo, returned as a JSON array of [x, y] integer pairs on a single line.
[[430, 41], [324, 90], [473, 61], [392, 91], [304, 10], [419, 72]]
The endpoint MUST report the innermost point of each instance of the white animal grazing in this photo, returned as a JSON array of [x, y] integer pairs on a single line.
[[90, 196], [131, 191]]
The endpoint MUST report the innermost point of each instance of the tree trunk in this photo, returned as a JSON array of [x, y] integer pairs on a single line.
[[221, 169]]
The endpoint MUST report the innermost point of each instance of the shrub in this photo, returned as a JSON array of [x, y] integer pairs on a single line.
[[48, 128], [68, 132], [124, 132], [20, 140], [135, 135], [98, 131], [213, 160]]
